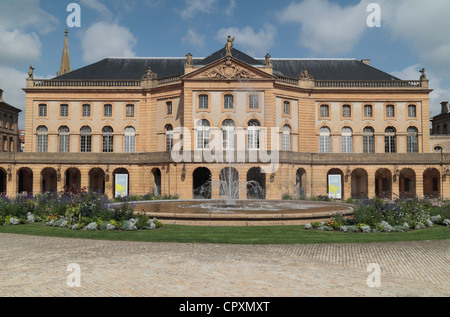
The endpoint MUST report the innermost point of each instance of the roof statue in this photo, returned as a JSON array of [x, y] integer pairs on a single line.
[[423, 76], [188, 61], [229, 45], [267, 60], [149, 75], [305, 75], [30, 72]]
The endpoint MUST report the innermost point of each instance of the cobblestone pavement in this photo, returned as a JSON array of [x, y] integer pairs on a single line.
[[37, 266]]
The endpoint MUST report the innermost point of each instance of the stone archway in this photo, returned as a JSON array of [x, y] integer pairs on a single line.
[[383, 183], [229, 183], [333, 190], [407, 183], [432, 183], [49, 180], [300, 182], [3, 181], [121, 183], [359, 183], [156, 173], [72, 179], [201, 183], [97, 180], [25, 180], [256, 183]]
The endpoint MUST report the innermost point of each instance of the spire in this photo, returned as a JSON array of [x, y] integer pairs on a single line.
[[65, 59]]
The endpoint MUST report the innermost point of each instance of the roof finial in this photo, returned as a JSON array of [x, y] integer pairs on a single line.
[[65, 59]]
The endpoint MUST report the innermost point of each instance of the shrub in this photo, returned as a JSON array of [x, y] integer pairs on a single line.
[[446, 222], [91, 226]]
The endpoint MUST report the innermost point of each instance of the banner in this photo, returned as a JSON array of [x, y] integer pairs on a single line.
[[334, 186], [121, 188]]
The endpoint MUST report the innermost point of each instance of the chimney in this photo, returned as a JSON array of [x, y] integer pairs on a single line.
[[444, 107], [1, 95], [366, 61]]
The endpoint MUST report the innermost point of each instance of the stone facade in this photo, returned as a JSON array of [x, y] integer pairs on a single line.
[[373, 132]]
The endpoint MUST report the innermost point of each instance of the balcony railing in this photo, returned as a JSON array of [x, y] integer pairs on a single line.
[[368, 84], [85, 83]]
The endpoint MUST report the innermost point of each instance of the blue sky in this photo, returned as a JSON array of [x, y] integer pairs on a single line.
[[413, 34]]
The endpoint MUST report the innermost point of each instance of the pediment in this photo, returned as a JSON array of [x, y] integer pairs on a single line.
[[228, 68]]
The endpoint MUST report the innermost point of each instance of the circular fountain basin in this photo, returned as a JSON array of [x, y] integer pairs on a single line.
[[241, 212]]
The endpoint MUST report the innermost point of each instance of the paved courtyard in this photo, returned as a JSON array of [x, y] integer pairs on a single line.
[[37, 266]]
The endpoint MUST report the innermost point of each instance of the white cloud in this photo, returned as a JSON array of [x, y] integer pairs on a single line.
[[101, 9], [20, 23], [254, 43], [424, 26], [12, 81], [193, 40], [119, 42], [230, 9], [18, 47], [193, 7], [440, 91], [327, 28]]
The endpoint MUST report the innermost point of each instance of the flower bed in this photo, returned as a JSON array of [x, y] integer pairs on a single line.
[[376, 215], [79, 210]]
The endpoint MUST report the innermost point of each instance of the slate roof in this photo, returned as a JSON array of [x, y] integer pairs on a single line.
[[320, 69]]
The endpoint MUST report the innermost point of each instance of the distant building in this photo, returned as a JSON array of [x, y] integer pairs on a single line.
[[440, 130], [9, 135]]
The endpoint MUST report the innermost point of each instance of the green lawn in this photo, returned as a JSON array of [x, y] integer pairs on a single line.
[[232, 235]]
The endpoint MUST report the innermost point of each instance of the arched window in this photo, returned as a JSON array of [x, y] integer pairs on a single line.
[[129, 145], [107, 140], [324, 140], [203, 134], [390, 140], [169, 137], [253, 134], [346, 140], [228, 133], [63, 139], [286, 141], [42, 139], [85, 139], [412, 145], [368, 140]]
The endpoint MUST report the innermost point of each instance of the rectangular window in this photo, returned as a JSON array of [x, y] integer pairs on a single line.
[[368, 111], [390, 111], [286, 108], [324, 111], [228, 102], [130, 110], [346, 111], [169, 107], [107, 110], [42, 143], [86, 110], [253, 102], [64, 110], [42, 110], [203, 102], [412, 111]]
